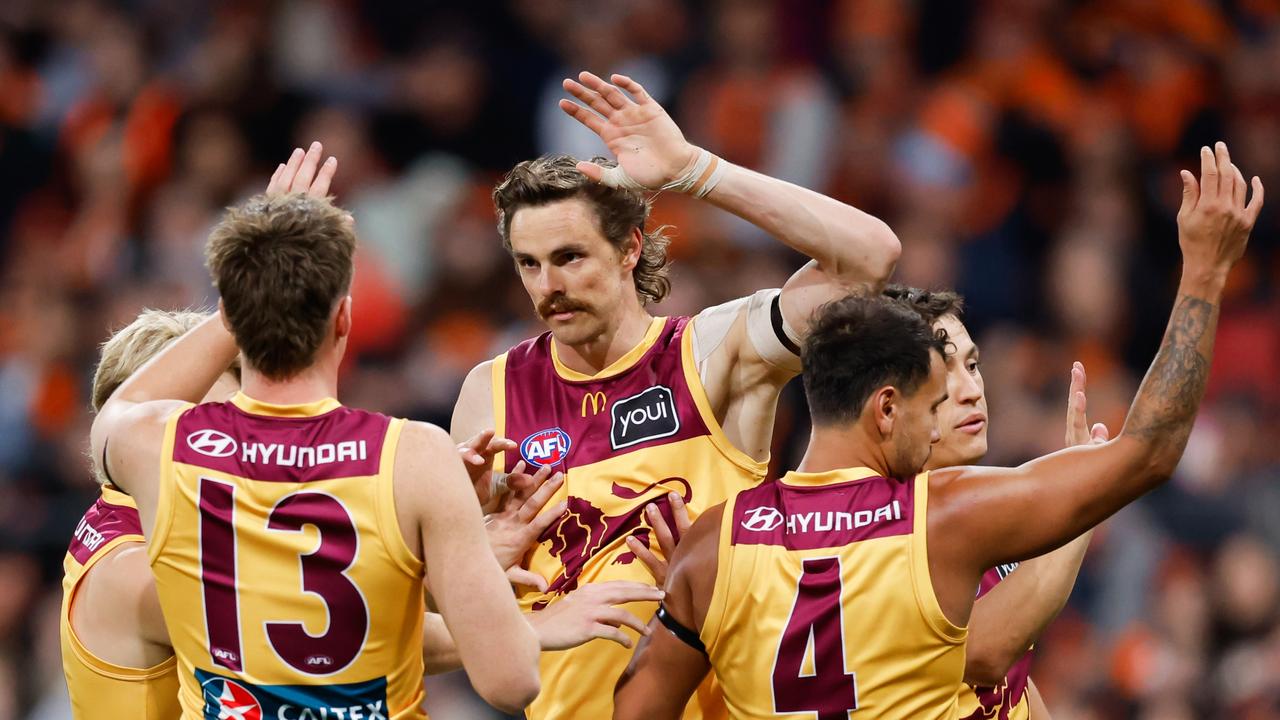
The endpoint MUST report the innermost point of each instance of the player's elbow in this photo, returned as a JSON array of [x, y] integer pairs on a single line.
[[888, 252], [512, 692], [987, 665], [874, 255]]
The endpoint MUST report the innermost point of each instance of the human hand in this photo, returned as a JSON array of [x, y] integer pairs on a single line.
[[304, 173], [650, 148], [517, 525], [477, 454], [666, 539], [591, 612], [1214, 222], [1078, 431]]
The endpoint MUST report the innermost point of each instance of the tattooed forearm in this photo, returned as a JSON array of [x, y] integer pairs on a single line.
[[1170, 394]]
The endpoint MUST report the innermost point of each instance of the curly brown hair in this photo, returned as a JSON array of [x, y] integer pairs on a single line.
[[551, 178]]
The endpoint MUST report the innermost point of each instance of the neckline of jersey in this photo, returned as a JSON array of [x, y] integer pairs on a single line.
[[258, 407], [617, 367], [829, 477]]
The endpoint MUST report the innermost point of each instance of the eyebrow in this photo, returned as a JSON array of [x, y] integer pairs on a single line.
[[561, 250]]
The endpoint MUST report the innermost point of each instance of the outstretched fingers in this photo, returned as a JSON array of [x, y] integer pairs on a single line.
[[611, 94], [587, 96], [1208, 174], [1255, 203], [633, 88], [592, 121]]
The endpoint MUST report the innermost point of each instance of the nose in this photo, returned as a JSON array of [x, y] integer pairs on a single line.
[[967, 390], [934, 435], [549, 280]]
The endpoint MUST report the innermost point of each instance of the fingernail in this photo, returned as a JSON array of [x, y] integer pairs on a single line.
[[315, 143]]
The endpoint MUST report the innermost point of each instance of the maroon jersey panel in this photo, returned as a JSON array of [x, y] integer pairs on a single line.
[[567, 423], [102, 523], [810, 517], [343, 442]]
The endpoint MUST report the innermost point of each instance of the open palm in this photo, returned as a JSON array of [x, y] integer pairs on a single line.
[[637, 130]]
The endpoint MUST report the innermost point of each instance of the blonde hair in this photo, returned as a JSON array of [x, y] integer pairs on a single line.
[[132, 346]]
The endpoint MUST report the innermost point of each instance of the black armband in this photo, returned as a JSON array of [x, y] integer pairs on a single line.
[[682, 633]]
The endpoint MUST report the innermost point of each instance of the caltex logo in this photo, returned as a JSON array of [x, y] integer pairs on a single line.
[[212, 443], [229, 700], [762, 519]]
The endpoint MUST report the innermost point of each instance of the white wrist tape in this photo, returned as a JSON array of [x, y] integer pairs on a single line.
[[698, 180]]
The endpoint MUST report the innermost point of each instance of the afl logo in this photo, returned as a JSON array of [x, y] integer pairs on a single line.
[[224, 698], [546, 447], [762, 519], [212, 443]]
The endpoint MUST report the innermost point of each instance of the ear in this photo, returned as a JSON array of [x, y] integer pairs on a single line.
[[342, 319], [631, 250], [883, 406], [222, 313]]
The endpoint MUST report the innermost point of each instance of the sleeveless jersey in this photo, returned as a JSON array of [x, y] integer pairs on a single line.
[[823, 603], [101, 690], [1009, 700], [286, 583], [624, 438]]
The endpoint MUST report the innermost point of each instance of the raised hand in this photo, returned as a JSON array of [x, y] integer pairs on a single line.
[[518, 524], [649, 146], [1078, 431], [666, 539], [304, 173], [477, 454], [590, 612], [1214, 222]]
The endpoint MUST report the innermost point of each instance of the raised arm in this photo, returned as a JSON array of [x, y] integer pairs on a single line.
[[1008, 620], [665, 670], [495, 645], [850, 250], [1018, 513]]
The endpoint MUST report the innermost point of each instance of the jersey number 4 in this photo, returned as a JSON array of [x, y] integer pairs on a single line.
[[323, 574], [822, 687]]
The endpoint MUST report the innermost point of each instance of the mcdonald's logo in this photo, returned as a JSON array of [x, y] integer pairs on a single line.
[[598, 401]]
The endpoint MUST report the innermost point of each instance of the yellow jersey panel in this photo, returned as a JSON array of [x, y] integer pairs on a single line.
[[823, 604], [285, 581], [625, 439], [101, 690]]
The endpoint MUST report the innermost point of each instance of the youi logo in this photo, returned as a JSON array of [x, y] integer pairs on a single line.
[[546, 447]]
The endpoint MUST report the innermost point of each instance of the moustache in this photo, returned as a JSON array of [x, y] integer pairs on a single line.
[[559, 304]]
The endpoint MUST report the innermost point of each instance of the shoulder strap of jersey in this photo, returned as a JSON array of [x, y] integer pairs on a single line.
[[718, 603], [397, 544], [498, 391], [165, 493], [926, 599]]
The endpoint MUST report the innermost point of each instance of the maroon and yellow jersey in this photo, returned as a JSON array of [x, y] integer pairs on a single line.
[[285, 580], [1009, 700], [823, 604], [625, 438], [100, 689]]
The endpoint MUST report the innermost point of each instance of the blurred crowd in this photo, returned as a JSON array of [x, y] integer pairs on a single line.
[[1025, 151]]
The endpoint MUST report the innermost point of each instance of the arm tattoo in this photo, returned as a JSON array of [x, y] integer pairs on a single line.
[[1171, 392]]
